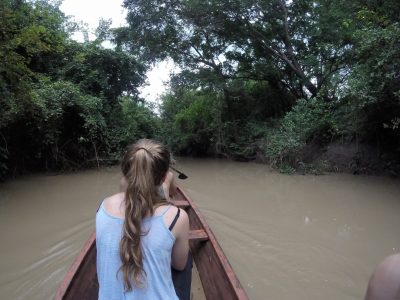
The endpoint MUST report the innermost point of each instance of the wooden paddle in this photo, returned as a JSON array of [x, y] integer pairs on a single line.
[[181, 175]]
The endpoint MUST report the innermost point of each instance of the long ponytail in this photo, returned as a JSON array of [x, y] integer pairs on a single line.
[[144, 166]]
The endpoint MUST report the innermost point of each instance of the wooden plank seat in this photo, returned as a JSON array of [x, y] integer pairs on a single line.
[[198, 235], [182, 204]]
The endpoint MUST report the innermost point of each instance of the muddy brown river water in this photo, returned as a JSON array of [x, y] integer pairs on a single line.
[[287, 237]]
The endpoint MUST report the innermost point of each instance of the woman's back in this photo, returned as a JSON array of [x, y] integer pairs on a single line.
[[135, 249], [157, 243]]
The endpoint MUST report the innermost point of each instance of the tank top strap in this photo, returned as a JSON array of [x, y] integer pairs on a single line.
[[100, 205], [175, 219], [168, 207]]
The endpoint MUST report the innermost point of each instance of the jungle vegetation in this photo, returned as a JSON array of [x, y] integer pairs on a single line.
[[302, 85]]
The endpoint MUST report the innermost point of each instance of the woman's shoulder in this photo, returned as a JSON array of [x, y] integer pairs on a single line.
[[113, 205], [166, 209], [170, 212]]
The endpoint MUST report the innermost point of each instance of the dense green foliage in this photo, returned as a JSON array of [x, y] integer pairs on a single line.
[[274, 80], [63, 104]]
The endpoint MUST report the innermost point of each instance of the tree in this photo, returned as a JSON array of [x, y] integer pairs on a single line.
[[60, 100], [300, 43], [29, 36], [103, 72]]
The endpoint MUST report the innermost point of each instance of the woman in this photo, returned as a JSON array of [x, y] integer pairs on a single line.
[[139, 235]]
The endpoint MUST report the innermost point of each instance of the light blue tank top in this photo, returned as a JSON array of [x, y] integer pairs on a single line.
[[157, 247]]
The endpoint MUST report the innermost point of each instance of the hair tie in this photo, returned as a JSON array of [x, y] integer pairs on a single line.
[[145, 150]]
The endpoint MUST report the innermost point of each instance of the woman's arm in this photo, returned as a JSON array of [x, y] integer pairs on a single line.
[[180, 249]]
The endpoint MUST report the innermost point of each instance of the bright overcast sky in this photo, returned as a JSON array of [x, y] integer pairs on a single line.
[[90, 11]]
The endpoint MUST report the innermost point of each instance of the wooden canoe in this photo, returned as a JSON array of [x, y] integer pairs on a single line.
[[217, 277]]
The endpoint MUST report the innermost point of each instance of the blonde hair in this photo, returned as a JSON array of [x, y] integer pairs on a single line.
[[144, 167]]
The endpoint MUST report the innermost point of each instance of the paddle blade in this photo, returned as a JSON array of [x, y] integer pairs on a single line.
[[182, 176]]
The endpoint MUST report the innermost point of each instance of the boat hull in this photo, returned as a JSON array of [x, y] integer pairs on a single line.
[[218, 279]]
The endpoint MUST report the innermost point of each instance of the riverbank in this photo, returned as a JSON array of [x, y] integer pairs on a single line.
[[348, 158], [335, 158]]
